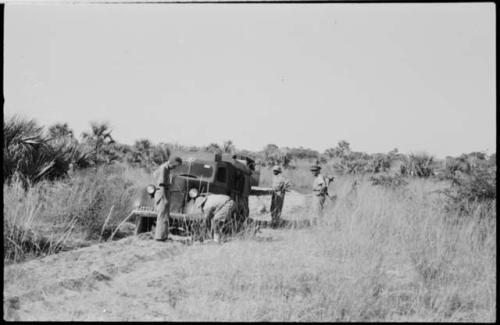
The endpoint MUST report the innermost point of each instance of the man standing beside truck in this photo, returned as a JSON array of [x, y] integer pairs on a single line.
[[320, 192], [162, 197], [280, 186]]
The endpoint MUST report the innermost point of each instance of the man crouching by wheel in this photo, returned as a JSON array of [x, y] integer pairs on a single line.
[[217, 210]]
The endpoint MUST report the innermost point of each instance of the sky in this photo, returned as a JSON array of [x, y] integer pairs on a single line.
[[417, 77]]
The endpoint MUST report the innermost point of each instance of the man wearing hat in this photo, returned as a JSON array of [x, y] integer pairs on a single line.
[[162, 196], [280, 186], [320, 192]]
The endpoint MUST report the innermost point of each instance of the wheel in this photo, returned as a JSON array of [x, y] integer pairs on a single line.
[[144, 224], [238, 220], [234, 222]]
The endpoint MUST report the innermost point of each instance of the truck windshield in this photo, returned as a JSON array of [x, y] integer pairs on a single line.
[[194, 170]]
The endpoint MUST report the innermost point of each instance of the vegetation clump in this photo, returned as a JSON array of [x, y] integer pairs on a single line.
[[473, 181], [30, 154], [389, 181], [419, 165]]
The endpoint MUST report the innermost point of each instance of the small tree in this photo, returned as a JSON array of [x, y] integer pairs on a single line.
[[143, 151], [60, 130], [97, 139], [341, 150], [344, 146], [420, 165], [273, 155], [379, 163], [62, 138], [161, 153], [228, 147], [478, 185], [214, 148]]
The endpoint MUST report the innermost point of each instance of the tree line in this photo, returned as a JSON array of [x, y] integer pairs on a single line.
[[33, 153]]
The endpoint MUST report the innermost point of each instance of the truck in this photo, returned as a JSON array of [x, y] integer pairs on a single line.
[[233, 175]]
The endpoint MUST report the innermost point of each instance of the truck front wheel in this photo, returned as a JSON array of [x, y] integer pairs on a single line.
[[144, 224]]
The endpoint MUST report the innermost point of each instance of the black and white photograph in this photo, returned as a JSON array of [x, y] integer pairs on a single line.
[[249, 161]]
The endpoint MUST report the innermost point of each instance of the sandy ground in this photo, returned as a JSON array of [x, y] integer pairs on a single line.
[[294, 206], [129, 279]]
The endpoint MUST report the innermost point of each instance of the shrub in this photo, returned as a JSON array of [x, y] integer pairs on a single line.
[[479, 185], [99, 142], [31, 154], [228, 147], [214, 148], [419, 165], [379, 162], [50, 215], [273, 155], [388, 181], [352, 163]]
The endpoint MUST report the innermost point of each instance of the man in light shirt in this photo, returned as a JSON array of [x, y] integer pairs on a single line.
[[280, 186], [320, 192], [162, 197], [217, 209]]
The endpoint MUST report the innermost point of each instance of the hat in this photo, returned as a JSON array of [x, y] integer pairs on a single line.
[[177, 159], [277, 169], [315, 168]]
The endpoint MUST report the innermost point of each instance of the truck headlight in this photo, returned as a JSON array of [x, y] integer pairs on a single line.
[[137, 203], [193, 193], [151, 189]]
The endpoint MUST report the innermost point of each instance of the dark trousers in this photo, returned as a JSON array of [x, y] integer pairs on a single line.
[[276, 207]]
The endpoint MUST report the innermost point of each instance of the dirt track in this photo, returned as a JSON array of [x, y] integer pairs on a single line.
[[130, 279]]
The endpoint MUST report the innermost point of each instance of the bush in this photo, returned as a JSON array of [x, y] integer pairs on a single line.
[[388, 181], [380, 162], [352, 163], [32, 155], [478, 186], [273, 155], [419, 165]]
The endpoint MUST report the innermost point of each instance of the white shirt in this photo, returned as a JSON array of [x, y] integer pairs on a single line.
[[212, 202]]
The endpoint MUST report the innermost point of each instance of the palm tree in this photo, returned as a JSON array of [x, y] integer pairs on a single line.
[[98, 138], [30, 154], [60, 130], [143, 151], [21, 138], [161, 153], [62, 138], [341, 150]]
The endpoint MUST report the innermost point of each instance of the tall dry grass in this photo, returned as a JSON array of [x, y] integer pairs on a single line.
[[380, 255], [51, 216]]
